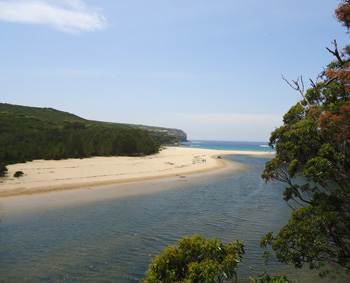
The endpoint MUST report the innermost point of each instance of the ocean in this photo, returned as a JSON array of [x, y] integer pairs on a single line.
[[114, 239], [231, 145]]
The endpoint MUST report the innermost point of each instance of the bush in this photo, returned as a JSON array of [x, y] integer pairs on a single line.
[[3, 170], [18, 174], [196, 259]]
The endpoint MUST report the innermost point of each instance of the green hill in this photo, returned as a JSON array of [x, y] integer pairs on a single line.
[[28, 133]]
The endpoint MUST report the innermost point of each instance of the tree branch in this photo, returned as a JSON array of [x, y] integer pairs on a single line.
[[336, 53], [298, 88]]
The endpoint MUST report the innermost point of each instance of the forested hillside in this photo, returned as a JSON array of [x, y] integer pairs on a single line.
[[28, 133]]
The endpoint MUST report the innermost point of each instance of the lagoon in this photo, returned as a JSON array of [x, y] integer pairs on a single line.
[[114, 239]]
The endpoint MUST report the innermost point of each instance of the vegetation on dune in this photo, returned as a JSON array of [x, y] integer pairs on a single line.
[[28, 133], [3, 169], [18, 174]]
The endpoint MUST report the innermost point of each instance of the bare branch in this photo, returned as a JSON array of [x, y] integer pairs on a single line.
[[316, 88], [330, 80], [336, 53], [314, 85], [299, 89], [289, 83], [320, 76]]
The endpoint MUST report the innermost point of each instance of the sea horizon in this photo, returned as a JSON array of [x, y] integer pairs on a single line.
[[230, 145]]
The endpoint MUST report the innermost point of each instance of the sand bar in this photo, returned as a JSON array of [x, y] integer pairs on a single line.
[[44, 176]]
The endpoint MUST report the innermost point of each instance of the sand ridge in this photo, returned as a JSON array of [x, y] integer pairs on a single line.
[[43, 176]]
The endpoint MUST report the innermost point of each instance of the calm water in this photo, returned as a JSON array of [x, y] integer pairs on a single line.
[[231, 145], [113, 240]]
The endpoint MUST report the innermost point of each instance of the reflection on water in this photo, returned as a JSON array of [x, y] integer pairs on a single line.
[[114, 239]]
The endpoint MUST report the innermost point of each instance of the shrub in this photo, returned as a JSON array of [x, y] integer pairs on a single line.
[[3, 170], [196, 259], [18, 174]]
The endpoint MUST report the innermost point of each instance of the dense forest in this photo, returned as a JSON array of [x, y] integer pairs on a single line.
[[28, 133]]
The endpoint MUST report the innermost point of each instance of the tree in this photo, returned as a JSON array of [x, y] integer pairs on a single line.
[[313, 159], [266, 278], [196, 259], [3, 169]]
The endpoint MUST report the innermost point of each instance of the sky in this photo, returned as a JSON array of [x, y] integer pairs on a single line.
[[209, 67]]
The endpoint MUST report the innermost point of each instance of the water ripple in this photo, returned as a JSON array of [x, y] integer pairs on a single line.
[[114, 240]]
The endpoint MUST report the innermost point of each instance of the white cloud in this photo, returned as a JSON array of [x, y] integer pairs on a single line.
[[71, 16]]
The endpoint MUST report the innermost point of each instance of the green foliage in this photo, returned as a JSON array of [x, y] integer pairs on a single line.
[[313, 159], [28, 133], [266, 278], [18, 174], [294, 115], [3, 169], [318, 231], [196, 259]]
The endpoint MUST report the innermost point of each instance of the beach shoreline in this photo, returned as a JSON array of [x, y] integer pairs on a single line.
[[49, 176]]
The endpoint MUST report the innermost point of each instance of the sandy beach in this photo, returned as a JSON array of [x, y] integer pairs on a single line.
[[44, 176]]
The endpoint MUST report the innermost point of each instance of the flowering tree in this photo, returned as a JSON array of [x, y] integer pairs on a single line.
[[313, 159]]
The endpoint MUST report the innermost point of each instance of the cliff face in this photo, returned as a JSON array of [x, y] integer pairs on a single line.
[[165, 135], [180, 134]]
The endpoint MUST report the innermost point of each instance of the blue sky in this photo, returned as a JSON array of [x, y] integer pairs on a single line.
[[209, 67]]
